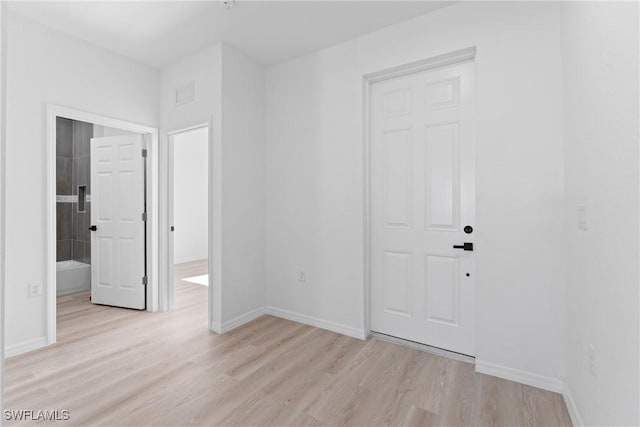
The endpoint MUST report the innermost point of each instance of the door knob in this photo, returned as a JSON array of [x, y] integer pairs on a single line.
[[93, 228], [467, 246]]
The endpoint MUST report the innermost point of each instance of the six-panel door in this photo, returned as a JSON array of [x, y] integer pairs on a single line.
[[117, 204], [422, 196]]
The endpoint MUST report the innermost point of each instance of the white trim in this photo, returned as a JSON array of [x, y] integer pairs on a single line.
[[425, 348], [167, 288], [572, 408], [317, 322], [238, 321], [215, 327], [187, 129], [214, 225], [54, 111], [522, 377], [215, 222], [455, 57], [25, 346], [73, 290]]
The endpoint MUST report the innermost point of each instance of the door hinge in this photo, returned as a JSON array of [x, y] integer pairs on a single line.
[[144, 280], [144, 216], [144, 152]]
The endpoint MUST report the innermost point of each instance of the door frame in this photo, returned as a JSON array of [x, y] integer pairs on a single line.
[[170, 297], [214, 191], [368, 80], [150, 141]]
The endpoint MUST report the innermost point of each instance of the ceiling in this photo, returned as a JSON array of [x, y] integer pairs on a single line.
[[159, 33]]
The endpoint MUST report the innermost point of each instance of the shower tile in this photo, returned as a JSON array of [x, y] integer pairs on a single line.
[[74, 177], [87, 161], [81, 168], [63, 221], [74, 220], [78, 250], [63, 175], [87, 222], [87, 253], [64, 137], [81, 226], [63, 250], [82, 134]]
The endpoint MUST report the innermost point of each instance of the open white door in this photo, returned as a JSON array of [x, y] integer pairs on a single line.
[[422, 218], [118, 233]]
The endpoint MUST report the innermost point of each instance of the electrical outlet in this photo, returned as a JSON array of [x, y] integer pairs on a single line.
[[302, 276], [591, 355], [35, 289]]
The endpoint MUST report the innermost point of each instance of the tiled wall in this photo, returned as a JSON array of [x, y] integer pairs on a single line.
[[72, 171], [64, 172], [82, 134]]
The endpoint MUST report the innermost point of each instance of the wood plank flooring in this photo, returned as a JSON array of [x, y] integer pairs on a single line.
[[118, 367], [189, 269]]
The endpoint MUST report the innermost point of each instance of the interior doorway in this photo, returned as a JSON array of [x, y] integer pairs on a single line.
[[100, 214], [189, 218], [101, 192]]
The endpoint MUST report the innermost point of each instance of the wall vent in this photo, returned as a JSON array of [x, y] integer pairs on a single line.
[[186, 93]]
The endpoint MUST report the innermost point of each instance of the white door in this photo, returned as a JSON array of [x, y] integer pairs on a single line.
[[422, 198], [117, 206]]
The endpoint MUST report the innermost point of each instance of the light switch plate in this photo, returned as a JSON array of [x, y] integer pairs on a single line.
[[581, 217], [35, 289]]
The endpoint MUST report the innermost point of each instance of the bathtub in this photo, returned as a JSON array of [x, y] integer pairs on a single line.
[[72, 276]]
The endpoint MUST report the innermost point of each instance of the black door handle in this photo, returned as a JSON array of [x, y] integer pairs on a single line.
[[467, 246], [93, 228]]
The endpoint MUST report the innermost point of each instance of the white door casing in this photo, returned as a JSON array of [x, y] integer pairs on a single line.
[[117, 205], [422, 197]]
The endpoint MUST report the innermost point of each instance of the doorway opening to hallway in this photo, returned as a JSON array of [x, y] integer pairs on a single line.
[[189, 217]]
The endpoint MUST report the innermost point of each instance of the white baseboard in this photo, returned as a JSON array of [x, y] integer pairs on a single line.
[[574, 413], [523, 377], [242, 319], [289, 315], [215, 327], [25, 346], [237, 321], [190, 259], [317, 322], [69, 291]]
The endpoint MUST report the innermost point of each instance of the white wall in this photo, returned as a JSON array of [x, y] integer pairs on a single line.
[[230, 88], [190, 201], [45, 66], [314, 175], [600, 48], [205, 71], [243, 203], [100, 131]]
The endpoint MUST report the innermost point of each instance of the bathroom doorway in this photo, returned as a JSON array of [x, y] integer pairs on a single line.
[[100, 214], [102, 190], [189, 218]]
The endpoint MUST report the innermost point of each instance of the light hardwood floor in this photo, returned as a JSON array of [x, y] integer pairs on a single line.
[[118, 367]]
